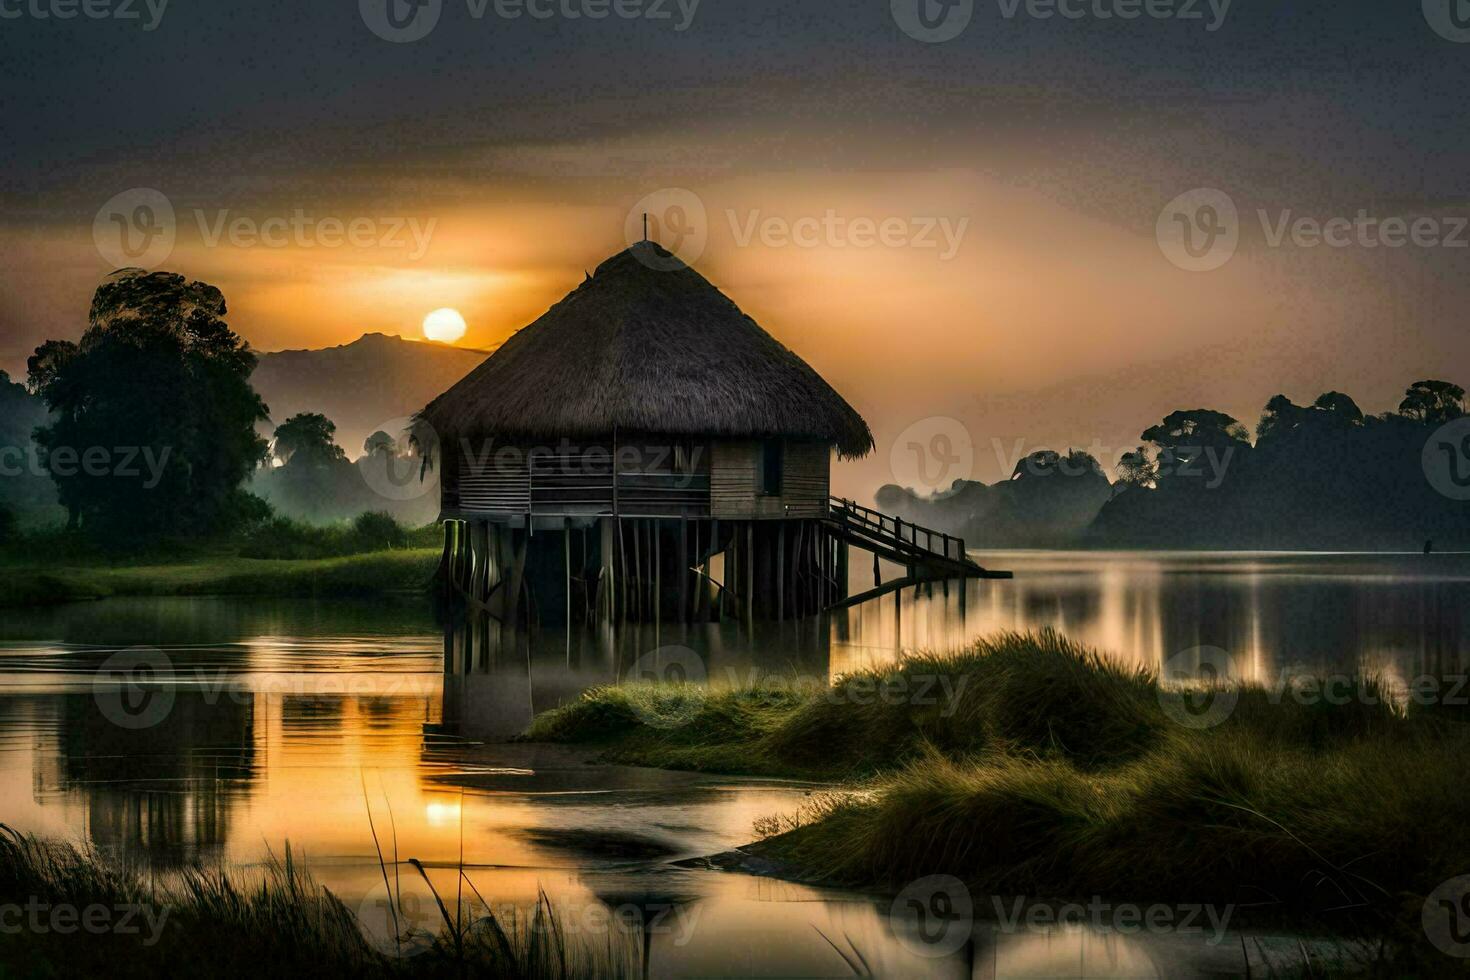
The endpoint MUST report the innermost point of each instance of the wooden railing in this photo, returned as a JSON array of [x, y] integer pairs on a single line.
[[896, 530]]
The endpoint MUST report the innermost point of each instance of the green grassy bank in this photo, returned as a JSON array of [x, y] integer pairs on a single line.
[[1026, 765], [371, 574]]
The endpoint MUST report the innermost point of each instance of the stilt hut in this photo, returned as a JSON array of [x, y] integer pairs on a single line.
[[643, 451]]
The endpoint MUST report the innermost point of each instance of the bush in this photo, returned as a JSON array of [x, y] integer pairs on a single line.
[[282, 537]]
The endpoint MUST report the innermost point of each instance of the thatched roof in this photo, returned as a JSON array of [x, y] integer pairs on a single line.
[[651, 347]]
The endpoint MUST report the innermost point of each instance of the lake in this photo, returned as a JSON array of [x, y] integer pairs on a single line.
[[270, 721]]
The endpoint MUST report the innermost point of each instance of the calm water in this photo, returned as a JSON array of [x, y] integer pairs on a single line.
[[278, 721]]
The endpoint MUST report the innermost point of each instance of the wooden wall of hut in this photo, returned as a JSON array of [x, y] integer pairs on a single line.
[[643, 570]]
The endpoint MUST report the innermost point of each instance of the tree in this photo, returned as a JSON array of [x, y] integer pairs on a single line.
[[1136, 469], [307, 438], [1433, 402], [154, 416], [1187, 434], [1339, 407], [380, 443]]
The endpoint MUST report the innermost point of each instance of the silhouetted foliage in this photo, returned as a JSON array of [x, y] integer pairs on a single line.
[[1435, 402], [317, 482], [1049, 499], [25, 490], [1319, 476], [1323, 475], [1136, 469], [154, 417], [308, 439], [379, 443]]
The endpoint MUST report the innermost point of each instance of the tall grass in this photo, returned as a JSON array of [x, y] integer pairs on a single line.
[[275, 921], [1051, 772]]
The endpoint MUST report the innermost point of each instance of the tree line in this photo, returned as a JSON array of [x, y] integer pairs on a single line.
[[159, 378]]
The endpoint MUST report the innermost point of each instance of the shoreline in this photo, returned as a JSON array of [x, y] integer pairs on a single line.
[[1051, 772], [365, 575]]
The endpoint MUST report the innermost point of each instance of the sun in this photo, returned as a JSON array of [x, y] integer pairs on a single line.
[[445, 326]]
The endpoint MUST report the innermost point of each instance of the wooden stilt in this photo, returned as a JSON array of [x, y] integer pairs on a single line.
[[685, 560], [781, 572], [749, 573]]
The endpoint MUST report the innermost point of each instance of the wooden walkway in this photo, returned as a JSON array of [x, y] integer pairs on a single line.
[[928, 555]]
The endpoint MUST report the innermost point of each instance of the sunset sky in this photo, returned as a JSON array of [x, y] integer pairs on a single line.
[[1047, 147]]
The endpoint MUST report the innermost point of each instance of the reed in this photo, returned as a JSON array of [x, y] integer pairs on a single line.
[[238, 922], [1044, 770]]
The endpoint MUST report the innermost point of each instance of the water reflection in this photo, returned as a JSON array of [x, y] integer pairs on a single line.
[[1400, 614], [294, 720]]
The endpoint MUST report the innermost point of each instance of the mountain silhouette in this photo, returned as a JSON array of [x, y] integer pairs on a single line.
[[360, 386]]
